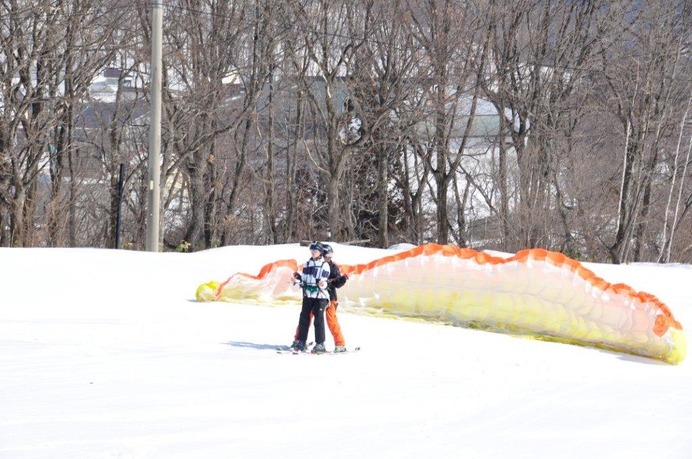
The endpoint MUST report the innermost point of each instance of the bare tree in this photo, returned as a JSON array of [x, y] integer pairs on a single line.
[[384, 76], [644, 84], [329, 47], [363, 120], [540, 53], [210, 44], [446, 30], [51, 59], [681, 161], [87, 53], [29, 48]]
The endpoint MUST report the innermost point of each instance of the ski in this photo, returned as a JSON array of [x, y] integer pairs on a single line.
[[348, 351], [288, 350], [291, 351]]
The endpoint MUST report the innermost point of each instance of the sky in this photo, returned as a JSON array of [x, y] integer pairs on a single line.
[[106, 354]]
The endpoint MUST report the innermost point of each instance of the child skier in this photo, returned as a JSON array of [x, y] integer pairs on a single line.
[[313, 281], [335, 280]]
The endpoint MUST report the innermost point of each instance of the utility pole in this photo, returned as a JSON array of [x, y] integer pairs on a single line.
[[154, 195]]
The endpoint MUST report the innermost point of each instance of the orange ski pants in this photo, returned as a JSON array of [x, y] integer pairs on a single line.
[[332, 324]]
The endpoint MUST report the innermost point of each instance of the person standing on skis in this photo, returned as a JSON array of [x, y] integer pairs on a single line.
[[313, 281], [335, 280]]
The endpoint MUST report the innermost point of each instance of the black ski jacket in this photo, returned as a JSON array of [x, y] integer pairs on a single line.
[[335, 280]]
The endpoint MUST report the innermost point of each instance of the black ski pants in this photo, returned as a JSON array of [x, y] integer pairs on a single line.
[[317, 307]]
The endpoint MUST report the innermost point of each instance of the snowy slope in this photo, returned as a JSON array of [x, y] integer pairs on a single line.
[[105, 354]]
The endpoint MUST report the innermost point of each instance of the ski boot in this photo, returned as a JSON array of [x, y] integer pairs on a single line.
[[298, 346]]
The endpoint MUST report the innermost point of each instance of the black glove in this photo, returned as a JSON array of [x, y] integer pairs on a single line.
[[297, 276]]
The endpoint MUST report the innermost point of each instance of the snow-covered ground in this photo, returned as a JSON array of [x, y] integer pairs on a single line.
[[106, 354]]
